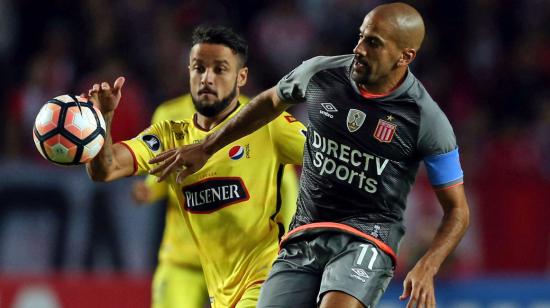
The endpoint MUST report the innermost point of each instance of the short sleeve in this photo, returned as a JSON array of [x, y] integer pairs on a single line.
[[292, 87], [437, 145], [145, 146], [289, 137]]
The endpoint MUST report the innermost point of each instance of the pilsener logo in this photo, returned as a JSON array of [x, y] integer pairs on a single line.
[[212, 194]]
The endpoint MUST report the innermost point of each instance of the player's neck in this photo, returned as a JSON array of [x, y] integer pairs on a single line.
[[208, 123], [386, 86]]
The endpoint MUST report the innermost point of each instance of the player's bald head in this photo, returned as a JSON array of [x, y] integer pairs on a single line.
[[402, 20]]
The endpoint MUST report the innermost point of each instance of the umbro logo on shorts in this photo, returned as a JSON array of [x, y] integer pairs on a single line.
[[359, 274]]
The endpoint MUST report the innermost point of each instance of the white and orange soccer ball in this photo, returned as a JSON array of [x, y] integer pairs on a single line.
[[69, 130]]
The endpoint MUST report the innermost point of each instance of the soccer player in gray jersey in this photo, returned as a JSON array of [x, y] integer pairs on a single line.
[[371, 123]]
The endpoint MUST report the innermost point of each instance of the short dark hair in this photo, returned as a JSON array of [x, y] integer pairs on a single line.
[[223, 36]]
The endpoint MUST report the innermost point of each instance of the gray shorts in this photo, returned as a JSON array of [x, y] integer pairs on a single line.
[[309, 267]]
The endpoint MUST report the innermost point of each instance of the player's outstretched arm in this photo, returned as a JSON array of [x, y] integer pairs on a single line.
[[418, 284], [188, 159], [113, 161], [261, 110]]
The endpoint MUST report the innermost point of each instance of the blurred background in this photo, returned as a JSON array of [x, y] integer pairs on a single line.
[[68, 242]]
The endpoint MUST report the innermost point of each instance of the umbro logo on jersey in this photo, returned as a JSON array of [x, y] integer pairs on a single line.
[[355, 119], [329, 108], [212, 194]]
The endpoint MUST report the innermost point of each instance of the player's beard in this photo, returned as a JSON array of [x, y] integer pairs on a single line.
[[361, 77], [212, 109]]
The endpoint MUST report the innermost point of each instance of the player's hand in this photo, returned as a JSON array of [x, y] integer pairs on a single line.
[[106, 97], [419, 287], [183, 161], [141, 193]]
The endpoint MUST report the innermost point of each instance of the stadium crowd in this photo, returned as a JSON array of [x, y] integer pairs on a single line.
[[487, 63]]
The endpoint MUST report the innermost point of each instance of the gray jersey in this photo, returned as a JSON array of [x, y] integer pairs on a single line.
[[362, 154]]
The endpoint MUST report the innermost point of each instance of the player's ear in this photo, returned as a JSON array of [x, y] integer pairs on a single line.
[[407, 56], [242, 76]]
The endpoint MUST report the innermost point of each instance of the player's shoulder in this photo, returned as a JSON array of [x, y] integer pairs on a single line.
[[433, 121], [320, 63], [244, 99], [418, 93], [178, 107], [176, 101], [285, 121], [172, 126]]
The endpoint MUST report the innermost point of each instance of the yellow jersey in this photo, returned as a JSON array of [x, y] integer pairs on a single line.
[[177, 246], [232, 206]]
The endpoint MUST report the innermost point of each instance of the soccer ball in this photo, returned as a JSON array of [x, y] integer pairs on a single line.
[[69, 130]]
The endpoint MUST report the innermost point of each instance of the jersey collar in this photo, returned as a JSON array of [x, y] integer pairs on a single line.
[[396, 92], [221, 122]]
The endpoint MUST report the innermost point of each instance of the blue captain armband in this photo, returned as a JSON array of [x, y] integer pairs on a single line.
[[444, 169]]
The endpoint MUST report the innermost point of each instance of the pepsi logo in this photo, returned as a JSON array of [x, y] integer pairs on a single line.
[[236, 152]]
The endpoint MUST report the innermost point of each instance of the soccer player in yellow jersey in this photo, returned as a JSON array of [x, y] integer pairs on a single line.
[[179, 266], [233, 206]]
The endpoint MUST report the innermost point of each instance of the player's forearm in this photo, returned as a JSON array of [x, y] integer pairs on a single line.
[[453, 226], [100, 166], [261, 110]]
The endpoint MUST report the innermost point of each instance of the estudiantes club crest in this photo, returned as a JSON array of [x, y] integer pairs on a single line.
[[384, 131]]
